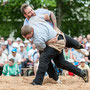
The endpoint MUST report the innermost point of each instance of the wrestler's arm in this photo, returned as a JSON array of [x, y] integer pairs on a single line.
[[46, 17], [53, 19]]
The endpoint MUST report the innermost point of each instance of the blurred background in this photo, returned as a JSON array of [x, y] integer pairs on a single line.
[[73, 16]]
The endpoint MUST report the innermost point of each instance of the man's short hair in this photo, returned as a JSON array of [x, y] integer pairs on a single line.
[[11, 59], [26, 30], [23, 7]]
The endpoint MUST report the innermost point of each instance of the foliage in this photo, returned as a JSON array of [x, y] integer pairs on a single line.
[[74, 15], [10, 17]]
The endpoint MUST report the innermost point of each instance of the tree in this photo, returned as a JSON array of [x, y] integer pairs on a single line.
[[73, 16], [10, 17]]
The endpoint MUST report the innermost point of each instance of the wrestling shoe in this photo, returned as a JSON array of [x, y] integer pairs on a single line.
[[33, 83], [85, 77], [83, 51]]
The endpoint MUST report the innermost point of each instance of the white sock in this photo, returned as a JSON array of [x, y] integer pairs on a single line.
[[59, 81]]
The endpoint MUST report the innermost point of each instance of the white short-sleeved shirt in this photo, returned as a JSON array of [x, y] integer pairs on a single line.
[[23, 53], [3, 58], [5, 52], [17, 58], [36, 56], [31, 52]]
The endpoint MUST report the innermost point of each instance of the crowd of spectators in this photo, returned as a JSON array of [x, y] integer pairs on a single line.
[[22, 54], [18, 54]]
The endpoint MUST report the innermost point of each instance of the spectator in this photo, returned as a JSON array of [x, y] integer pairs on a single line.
[[22, 51], [36, 61], [70, 73], [3, 60], [26, 42], [67, 54], [31, 53], [19, 41], [11, 69], [2, 39], [9, 46], [88, 41], [31, 41], [83, 65], [68, 57], [88, 38], [78, 57], [84, 42], [16, 56], [15, 45], [80, 39], [88, 58], [4, 47]]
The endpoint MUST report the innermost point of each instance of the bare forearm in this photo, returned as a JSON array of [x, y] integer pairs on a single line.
[[53, 19]]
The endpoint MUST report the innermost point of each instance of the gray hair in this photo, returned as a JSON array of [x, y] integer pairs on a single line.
[[26, 30]]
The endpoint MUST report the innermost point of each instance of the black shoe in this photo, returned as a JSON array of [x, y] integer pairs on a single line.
[[85, 77], [33, 83]]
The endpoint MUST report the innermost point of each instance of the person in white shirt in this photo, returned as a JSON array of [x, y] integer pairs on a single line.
[[9, 46], [31, 52], [3, 60], [22, 51], [36, 56], [4, 47]]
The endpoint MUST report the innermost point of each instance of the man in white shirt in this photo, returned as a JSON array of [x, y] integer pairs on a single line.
[[4, 47], [3, 60], [9, 46], [22, 51], [31, 52]]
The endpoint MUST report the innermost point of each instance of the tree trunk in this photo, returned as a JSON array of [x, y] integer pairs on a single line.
[[59, 12]]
